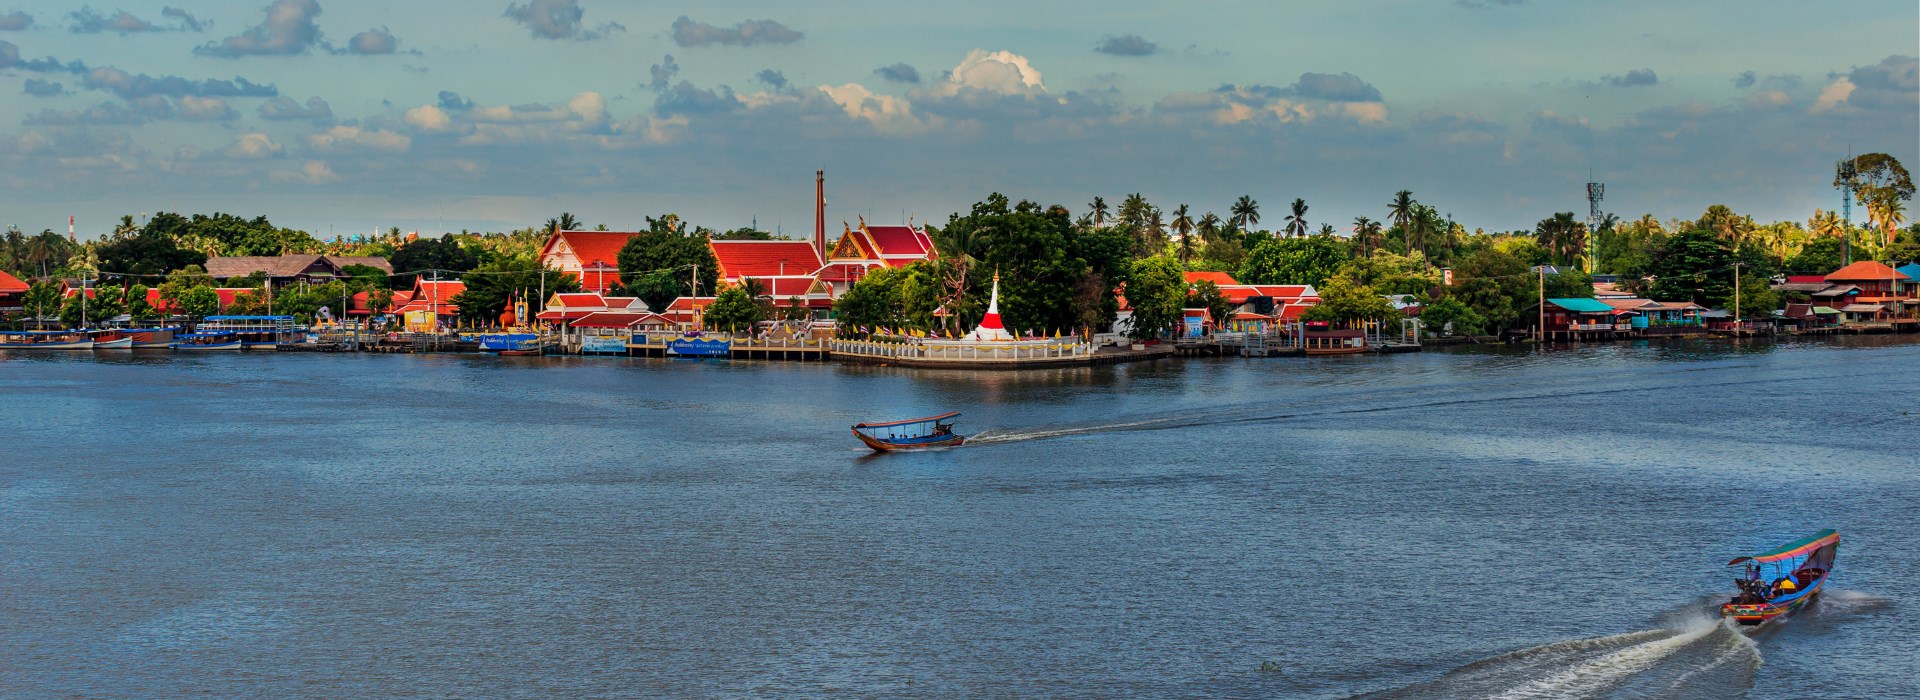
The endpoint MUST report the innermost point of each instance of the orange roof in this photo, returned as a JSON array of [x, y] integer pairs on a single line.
[[589, 246], [1220, 279], [901, 241], [1867, 271], [10, 284], [765, 258]]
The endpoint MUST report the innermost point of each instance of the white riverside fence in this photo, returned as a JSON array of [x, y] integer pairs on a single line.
[[1060, 349]]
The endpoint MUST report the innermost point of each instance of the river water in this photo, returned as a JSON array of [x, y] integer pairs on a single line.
[[1480, 523]]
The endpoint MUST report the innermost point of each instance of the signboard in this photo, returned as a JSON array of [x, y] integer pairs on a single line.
[[694, 347], [602, 344]]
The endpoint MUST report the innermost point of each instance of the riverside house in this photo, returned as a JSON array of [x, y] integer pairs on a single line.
[[1878, 294]]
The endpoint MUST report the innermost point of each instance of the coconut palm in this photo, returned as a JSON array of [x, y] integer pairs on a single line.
[[1826, 224], [1367, 232], [1246, 214], [1562, 236], [1326, 231], [1403, 210], [1887, 212], [1297, 221], [1183, 226], [1209, 228], [1099, 212]]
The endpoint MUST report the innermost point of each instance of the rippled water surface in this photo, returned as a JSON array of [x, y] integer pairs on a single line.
[[1487, 523]]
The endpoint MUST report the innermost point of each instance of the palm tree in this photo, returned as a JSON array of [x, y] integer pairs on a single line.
[[1209, 228], [1246, 213], [1099, 206], [1562, 236], [1367, 232], [1326, 231], [1297, 221], [1402, 210], [41, 250], [1886, 211], [1825, 224], [565, 222], [1183, 226]]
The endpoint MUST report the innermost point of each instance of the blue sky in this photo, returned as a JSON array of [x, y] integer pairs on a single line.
[[343, 115]]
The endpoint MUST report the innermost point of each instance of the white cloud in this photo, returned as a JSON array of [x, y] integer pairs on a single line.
[[429, 118], [353, 138], [254, 145], [1833, 95], [193, 108], [999, 72]]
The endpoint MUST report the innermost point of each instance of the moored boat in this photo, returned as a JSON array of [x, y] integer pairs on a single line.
[[1782, 580], [211, 341], [45, 340], [124, 342], [910, 434], [151, 338]]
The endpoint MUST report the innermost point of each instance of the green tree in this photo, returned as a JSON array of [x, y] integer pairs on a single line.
[[491, 285], [42, 300], [734, 309], [1403, 210], [1207, 295], [146, 253], [1297, 221], [1042, 258], [744, 234], [1757, 298], [1693, 266], [1344, 303], [198, 302], [658, 263], [1564, 238], [1157, 291], [105, 304], [1450, 316], [137, 307], [1294, 261], [443, 253], [1496, 286], [871, 303], [1244, 214]]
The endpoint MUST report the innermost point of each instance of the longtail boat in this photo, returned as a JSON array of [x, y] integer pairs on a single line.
[[212, 341], [910, 434], [1781, 580], [151, 338], [111, 339]]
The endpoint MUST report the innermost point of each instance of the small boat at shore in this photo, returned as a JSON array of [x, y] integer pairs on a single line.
[[910, 434], [151, 338], [213, 341], [1783, 579], [45, 340]]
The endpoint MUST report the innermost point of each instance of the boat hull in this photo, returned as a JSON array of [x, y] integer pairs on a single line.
[[1336, 351], [233, 346], [1759, 613], [115, 344], [73, 345], [880, 445]]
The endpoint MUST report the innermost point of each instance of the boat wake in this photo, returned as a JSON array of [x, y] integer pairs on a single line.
[[1702, 657]]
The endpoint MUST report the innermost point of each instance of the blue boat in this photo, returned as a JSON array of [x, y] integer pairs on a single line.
[[910, 434], [211, 341], [1783, 579]]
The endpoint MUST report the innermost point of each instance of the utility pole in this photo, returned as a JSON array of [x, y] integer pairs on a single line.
[[1540, 334], [1736, 300], [84, 289]]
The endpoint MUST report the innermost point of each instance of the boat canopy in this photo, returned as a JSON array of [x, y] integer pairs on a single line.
[[910, 421], [1818, 545]]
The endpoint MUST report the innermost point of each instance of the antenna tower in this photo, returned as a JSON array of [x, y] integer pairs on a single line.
[[1596, 191], [1844, 175]]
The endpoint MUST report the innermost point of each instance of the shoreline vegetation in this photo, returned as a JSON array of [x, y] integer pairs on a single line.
[[1135, 273]]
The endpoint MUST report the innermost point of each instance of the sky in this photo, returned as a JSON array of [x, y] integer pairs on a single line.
[[343, 116]]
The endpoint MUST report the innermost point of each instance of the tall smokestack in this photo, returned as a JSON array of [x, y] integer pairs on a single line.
[[820, 212], [70, 237]]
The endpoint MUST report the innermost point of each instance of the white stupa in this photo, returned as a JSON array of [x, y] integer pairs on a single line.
[[990, 327]]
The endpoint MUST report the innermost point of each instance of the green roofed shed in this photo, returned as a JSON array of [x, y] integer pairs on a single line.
[[1582, 306]]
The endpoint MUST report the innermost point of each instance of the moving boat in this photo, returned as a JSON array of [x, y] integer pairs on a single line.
[[1782, 580], [45, 340], [210, 341], [910, 434]]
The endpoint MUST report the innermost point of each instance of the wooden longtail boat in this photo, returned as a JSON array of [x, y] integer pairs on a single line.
[[151, 338], [111, 339], [1780, 581], [910, 434]]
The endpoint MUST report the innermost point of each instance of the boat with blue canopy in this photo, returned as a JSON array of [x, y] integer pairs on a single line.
[[910, 434], [209, 341], [1783, 579], [45, 340]]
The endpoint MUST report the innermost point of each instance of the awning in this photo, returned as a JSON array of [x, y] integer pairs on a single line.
[[1796, 548], [1862, 308]]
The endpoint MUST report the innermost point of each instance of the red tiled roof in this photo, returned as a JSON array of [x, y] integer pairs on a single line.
[[1867, 271], [783, 287], [1800, 279], [589, 246], [597, 280], [10, 284], [357, 304], [688, 303], [765, 258], [577, 300], [1292, 312], [615, 319], [842, 272], [901, 240], [1219, 279], [566, 314]]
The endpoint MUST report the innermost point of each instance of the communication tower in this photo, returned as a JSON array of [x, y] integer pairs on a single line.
[[1596, 191], [1844, 175]]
